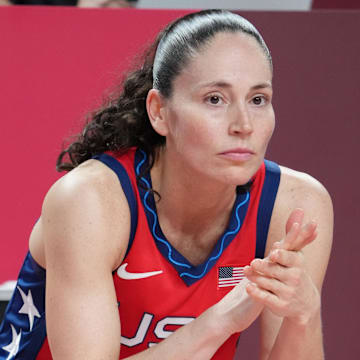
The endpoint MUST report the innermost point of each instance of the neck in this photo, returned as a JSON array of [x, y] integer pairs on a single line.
[[190, 202]]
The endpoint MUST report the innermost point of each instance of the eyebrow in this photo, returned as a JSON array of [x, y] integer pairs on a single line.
[[224, 84]]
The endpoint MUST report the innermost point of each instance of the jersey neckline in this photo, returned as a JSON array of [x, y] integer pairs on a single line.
[[188, 272]]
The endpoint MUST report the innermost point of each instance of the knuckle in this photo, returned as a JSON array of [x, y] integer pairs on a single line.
[[280, 254]]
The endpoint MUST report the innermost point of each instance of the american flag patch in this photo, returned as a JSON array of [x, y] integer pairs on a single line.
[[230, 275]]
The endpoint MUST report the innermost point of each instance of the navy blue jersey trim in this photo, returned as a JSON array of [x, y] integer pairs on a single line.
[[266, 205], [123, 176], [187, 272]]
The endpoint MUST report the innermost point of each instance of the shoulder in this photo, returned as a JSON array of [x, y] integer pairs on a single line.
[[89, 181], [300, 190], [88, 208]]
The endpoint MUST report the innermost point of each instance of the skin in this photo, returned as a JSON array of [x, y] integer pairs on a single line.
[[85, 220], [236, 120]]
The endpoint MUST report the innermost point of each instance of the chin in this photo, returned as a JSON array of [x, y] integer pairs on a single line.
[[236, 180], [240, 175]]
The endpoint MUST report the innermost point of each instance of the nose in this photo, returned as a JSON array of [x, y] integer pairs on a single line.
[[240, 121]]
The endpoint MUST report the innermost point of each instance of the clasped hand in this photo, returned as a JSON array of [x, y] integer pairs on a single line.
[[280, 281]]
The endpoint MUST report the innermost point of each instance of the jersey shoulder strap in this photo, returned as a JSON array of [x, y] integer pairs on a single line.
[[266, 205]]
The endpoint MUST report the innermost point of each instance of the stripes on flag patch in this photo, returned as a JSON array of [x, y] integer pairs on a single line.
[[230, 275]]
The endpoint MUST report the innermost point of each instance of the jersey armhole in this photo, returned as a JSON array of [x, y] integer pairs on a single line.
[[125, 183], [266, 205]]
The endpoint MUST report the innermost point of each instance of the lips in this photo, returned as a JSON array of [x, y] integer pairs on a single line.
[[238, 154], [238, 151]]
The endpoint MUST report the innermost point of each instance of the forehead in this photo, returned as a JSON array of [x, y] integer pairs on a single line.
[[236, 58]]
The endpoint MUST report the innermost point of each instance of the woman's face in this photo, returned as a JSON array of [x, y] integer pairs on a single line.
[[220, 116]]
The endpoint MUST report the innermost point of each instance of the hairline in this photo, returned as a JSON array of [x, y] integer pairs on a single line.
[[202, 47]]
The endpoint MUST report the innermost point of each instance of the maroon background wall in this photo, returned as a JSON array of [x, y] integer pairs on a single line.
[[55, 64]]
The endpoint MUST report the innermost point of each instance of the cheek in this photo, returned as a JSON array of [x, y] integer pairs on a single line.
[[190, 136], [270, 130], [191, 130], [267, 129]]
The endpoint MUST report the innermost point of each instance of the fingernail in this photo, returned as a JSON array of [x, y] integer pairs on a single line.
[[296, 225]]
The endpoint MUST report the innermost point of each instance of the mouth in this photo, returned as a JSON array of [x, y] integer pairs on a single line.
[[238, 154]]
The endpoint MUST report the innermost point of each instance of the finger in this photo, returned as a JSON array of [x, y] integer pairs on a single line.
[[287, 258], [282, 290], [296, 216], [291, 237], [265, 297], [262, 266], [275, 270], [269, 284], [248, 271], [297, 239]]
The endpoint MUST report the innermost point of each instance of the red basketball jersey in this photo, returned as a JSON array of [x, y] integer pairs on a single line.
[[157, 289]]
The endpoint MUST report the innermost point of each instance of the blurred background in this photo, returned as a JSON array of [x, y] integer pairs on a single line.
[[58, 63], [263, 5]]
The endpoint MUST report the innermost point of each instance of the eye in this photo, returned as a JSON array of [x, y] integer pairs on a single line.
[[214, 99], [259, 100]]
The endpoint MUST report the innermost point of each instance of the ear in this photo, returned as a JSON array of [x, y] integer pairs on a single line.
[[155, 106]]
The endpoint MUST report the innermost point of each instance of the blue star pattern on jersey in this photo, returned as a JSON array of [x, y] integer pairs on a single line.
[[13, 347], [25, 315], [28, 308]]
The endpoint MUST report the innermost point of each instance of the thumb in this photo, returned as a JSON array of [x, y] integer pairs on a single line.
[[296, 216]]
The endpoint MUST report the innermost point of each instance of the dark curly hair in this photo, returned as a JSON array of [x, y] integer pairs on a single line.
[[123, 122], [120, 124]]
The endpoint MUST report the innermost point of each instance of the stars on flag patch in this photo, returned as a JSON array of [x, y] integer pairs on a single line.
[[230, 275]]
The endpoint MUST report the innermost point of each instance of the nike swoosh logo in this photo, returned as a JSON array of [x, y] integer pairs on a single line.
[[123, 274]]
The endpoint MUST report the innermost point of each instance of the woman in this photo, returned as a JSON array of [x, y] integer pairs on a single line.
[[170, 254]]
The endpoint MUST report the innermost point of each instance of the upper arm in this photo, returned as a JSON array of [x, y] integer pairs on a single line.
[[298, 190], [85, 227]]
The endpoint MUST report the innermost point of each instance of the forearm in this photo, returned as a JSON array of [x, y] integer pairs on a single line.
[[202, 337], [198, 340], [298, 342]]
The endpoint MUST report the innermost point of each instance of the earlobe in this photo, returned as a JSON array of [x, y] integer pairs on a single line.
[[156, 113]]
